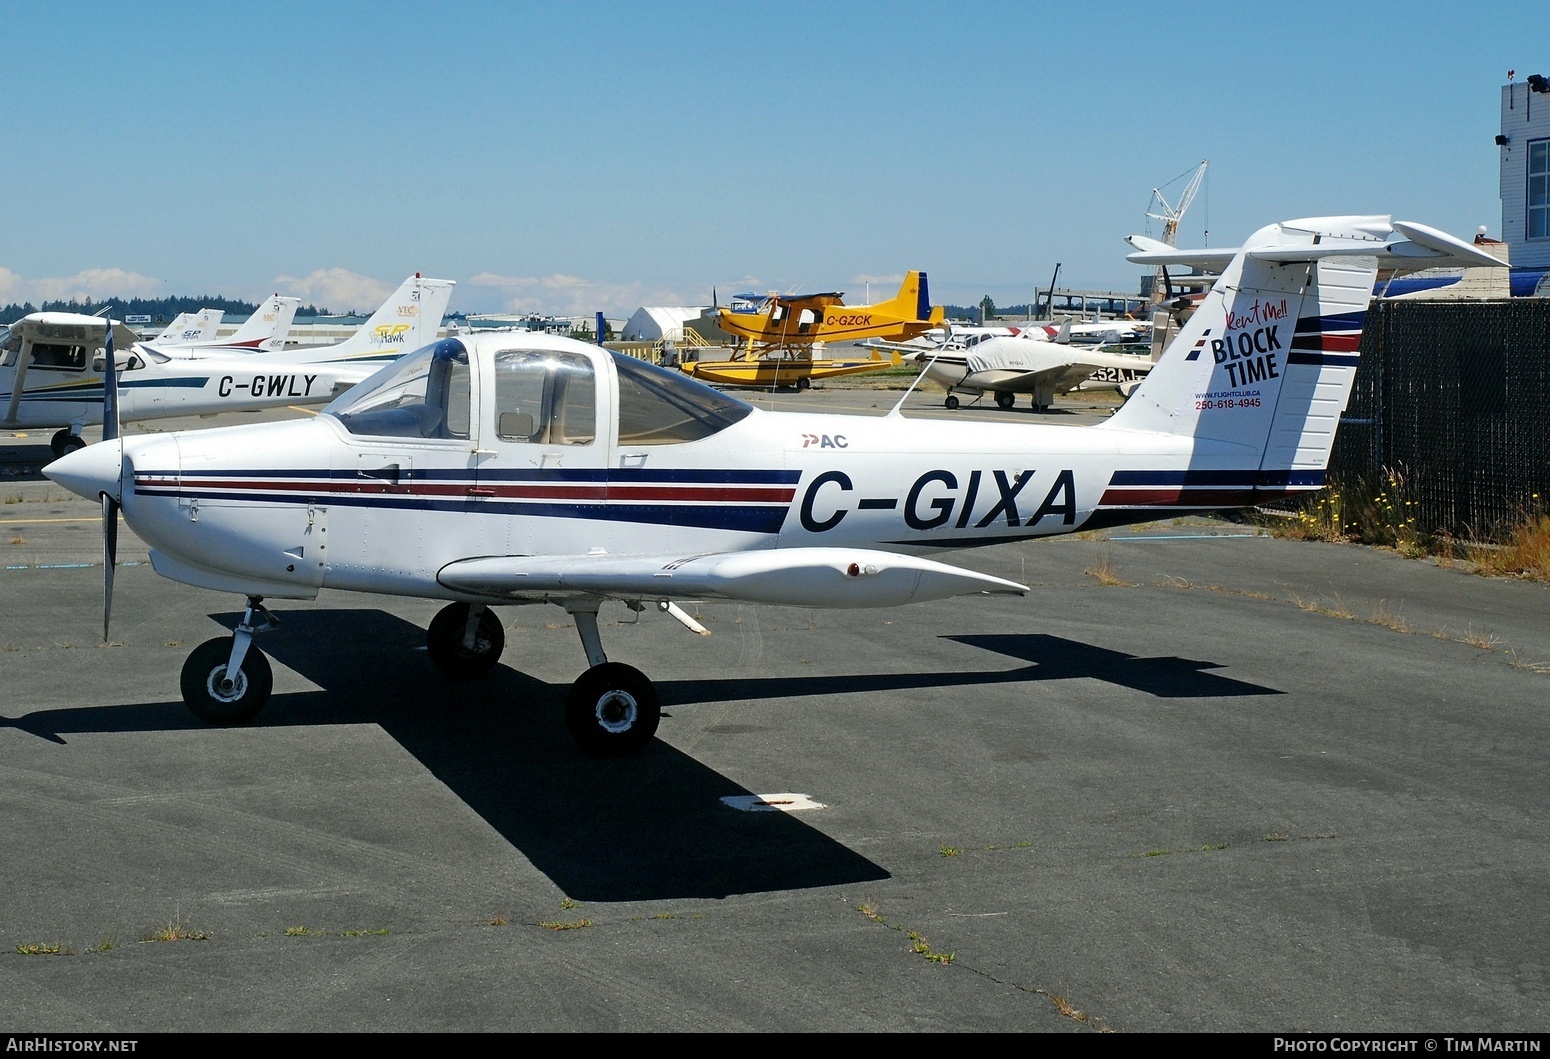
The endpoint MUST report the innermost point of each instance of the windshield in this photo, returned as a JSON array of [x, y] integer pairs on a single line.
[[662, 407], [425, 394]]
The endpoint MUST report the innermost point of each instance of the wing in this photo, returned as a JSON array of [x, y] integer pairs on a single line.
[[804, 577]]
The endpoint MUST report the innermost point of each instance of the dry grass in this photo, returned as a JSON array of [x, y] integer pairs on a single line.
[[1526, 553], [1102, 568], [1483, 639], [1389, 617], [177, 930]]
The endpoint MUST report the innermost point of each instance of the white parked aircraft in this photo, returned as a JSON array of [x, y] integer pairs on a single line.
[[516, 468], [188, 328], [51, 367], [1007, 365], [263, 332]]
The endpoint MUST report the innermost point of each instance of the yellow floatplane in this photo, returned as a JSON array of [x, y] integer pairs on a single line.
[[784, 334]]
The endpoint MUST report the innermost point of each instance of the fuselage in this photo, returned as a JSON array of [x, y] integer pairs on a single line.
[[378, 496]]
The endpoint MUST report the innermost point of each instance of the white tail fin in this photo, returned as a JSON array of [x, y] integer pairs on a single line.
[[266, 329], [188, 328], [1260, 373], [411, 318]]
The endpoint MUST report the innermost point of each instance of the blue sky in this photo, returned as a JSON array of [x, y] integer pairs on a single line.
[[569, 157]]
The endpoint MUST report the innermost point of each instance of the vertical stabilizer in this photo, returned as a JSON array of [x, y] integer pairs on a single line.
[[411, 318], [267, 328], [1260, 373]]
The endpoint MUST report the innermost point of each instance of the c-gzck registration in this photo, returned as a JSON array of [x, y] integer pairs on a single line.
[[504, 469]]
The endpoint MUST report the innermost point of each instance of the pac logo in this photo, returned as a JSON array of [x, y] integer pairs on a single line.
[[824, 441]]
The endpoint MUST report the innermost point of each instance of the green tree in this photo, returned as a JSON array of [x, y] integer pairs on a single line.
[[987, 309]]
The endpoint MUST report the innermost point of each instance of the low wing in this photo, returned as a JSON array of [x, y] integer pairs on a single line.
[[839, 578]]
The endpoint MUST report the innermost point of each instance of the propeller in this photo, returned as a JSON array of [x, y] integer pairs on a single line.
[[109, 505]]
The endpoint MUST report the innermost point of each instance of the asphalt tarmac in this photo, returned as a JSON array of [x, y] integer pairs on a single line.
[[1199, 779]]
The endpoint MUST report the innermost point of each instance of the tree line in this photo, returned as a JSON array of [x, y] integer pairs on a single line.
[[160, 310]]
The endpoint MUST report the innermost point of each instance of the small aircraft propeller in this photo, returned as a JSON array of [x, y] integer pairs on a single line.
[[109, 505]]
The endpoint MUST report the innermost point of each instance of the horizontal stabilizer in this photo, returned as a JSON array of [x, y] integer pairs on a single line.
[[1397, 245], [804, 577]]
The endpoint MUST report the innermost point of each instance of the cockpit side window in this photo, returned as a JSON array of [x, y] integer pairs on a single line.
[[661, 407], [425, 395], [545, 397], [53, 356]]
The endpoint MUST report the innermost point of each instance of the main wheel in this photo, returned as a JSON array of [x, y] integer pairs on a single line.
[[612, 710], [212, 697], [444, 641], [1004, 400], [63, 443], [950, 402]]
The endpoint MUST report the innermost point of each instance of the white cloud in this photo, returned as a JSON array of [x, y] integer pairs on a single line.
[[337, 289], [562, 295], [92, 284]]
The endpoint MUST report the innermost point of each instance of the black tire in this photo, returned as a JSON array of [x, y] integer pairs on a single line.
[[1004, 400], [804, 383], [612, 710], [204, 672], [444, 641], [951, 402], [63, 443]]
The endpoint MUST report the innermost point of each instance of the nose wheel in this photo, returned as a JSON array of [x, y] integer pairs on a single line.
[[220, 694], [227, 680]]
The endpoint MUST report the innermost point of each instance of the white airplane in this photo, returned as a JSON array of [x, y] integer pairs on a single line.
[[1007, 365], [52, 366], [518, 468], [263, 332]]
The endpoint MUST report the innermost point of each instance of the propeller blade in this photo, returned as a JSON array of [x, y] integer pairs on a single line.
[[109, 390], [109, 557]]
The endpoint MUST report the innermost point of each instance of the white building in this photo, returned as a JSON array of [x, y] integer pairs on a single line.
[[1524, 143], [654, 323]]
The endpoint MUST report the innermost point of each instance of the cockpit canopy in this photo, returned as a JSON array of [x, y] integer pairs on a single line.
[[546, 394]]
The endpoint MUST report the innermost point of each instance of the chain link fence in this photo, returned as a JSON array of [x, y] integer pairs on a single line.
[[1454, 398]]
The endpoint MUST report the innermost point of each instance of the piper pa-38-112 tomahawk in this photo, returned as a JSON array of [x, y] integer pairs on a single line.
[[505, 468], [52, 367]]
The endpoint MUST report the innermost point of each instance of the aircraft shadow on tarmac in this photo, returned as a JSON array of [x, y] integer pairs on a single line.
[[25, 463], [650, 827]]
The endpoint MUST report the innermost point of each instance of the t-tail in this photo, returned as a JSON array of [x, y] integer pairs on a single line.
[[1259, 375], [408, 320]]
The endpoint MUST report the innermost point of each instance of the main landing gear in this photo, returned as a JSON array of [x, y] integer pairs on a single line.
[[65, 442], [465, 640], [1005, 400], [612, 709]]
